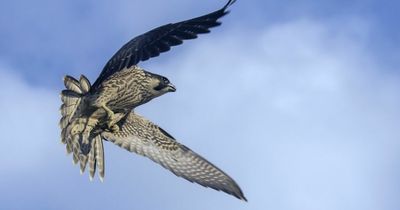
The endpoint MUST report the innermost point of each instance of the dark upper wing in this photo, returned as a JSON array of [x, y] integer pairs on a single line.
[[143, 137], [159, 40]]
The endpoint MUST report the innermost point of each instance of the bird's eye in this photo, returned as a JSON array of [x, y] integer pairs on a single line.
[[166, 81]]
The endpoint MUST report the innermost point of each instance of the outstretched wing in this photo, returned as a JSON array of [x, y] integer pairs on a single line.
[[143, 137], [159, 40]]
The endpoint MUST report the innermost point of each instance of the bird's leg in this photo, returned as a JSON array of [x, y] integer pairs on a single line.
[[112, 120]]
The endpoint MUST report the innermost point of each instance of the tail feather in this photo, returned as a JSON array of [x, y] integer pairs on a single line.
[[99, 156], [67, 109], [83, 161], [68, 147], [63, 139], [92, 161], [73, 127], [76, 150], [72, 84], [63, 123], [84, 84], [70, 97]]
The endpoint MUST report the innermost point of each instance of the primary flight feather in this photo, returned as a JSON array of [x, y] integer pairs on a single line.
[[104, 110]]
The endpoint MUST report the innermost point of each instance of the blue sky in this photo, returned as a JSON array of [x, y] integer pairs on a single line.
[[297, 101]]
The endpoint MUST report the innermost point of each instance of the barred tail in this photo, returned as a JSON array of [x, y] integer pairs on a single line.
[[96, 158], [71, 98], [74, 127]]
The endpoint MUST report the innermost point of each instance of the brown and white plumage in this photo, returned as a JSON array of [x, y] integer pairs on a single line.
[[141, 136], [103, 111]]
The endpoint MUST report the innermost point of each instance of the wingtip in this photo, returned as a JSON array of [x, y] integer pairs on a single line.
[[243, 198], [224, 9], [101, 179], [235, 191], [230, 2], [239, 195]]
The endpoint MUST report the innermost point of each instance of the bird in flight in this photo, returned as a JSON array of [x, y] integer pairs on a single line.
[[104, 110]]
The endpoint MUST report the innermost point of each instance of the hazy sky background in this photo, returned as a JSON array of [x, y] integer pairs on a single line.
[[297, 101]]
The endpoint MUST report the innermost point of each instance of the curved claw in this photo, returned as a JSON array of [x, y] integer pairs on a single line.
[[114, 128], [112, 119]]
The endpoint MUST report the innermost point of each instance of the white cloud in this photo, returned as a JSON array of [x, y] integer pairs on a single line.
[[306, 111], [28, 122], [300, 114]]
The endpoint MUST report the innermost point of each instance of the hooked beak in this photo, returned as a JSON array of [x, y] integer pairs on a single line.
[[171, 88]]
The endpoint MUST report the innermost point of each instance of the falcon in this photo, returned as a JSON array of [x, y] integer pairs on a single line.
[[103, 111]]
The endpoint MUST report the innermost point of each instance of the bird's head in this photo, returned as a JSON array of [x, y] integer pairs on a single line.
[[159, 85]]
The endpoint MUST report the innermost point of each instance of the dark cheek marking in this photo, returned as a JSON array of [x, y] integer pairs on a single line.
[[159, 87]]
